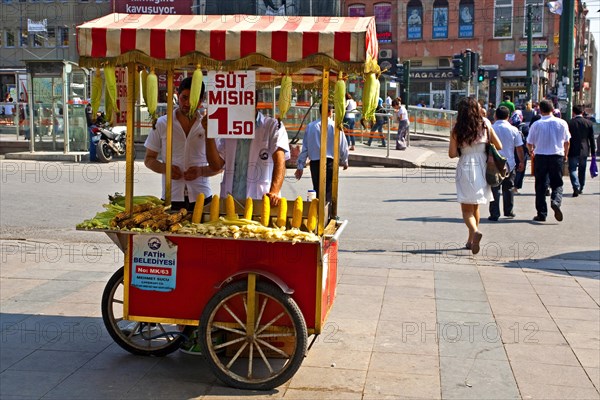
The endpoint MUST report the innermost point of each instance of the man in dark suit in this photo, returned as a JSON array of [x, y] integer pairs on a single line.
[[582, 141]]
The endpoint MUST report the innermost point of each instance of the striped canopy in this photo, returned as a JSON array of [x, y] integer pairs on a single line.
[[230, 42]]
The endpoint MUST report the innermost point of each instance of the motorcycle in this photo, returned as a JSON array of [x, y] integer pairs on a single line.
[[110, 141]]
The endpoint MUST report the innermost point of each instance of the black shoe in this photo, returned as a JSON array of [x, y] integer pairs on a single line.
[[539, 218], [575, 193], [382, 145], [490, 218], [580, 191], [368, 144], [511, 215], [557, 213]]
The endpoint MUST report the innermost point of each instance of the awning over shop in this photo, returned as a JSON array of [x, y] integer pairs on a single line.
[[229, 42]]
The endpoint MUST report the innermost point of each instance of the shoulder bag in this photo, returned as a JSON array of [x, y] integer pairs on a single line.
[[496, 168]]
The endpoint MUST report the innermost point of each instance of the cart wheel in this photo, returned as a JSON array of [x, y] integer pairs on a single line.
[[260, 361], [140, 338]]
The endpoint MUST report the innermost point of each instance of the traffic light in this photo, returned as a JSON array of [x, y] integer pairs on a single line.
[[480, 75], [400, 72], [474, 63], [406, 77], [466, 75], [457, 65]]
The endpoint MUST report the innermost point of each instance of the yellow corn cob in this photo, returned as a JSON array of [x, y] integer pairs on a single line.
[[214, 208], [311, 220], [297, 213], [110, 95], [339, 100], [266, 211], [96, 92], [152, 93], [144, 82], [230, 207], [370, 96], [249, 208], [198, 208], [195, 90], [282, 215], [285, 96]]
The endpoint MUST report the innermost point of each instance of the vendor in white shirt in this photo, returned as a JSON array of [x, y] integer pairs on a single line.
[[252, 167], [190, 169]]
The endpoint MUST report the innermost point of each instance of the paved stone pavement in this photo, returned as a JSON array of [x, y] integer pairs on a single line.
[[422, 324]]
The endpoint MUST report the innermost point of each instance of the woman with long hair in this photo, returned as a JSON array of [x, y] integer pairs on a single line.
[[468, 140]]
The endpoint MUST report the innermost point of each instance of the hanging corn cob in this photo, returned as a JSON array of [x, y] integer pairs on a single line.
[[152, 93], [339, 101], [195, 90], [285, 96], [96, 92], [110, 94], [144, 82], [369, 96]]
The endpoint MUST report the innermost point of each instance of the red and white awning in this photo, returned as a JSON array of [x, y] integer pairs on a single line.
[[229, 41]]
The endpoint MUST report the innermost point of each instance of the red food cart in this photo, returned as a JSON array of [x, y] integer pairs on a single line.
[[253, 302]]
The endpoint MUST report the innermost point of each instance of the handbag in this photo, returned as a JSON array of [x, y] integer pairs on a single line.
[[496, 167], [593, 167]]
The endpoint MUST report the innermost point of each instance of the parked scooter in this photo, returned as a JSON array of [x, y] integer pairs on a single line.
[[110, 141]]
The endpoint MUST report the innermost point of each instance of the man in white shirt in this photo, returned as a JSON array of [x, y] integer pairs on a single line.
[[511, 139], [190, 170], [548, 142], [252, 167]]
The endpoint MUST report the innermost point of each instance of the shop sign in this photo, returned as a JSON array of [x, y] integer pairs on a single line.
[[514, 84], [231, 104], [121, 73], [154, 7], [153, 263], [537, 45], [431, 74], [509, 57], [37, 26], [384, 37]]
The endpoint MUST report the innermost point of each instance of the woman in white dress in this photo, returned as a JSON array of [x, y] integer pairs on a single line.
[[467, 141]]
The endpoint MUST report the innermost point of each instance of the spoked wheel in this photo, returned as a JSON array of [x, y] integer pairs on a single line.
[[141, 338], [253, 340], [103, 151]]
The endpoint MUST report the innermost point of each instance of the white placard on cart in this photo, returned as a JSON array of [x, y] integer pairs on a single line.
[[153, 263], [231, 104]]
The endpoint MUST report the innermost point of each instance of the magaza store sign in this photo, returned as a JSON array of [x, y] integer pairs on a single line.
[[154, 6]]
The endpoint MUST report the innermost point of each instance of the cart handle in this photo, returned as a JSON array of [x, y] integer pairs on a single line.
[[336, 236]]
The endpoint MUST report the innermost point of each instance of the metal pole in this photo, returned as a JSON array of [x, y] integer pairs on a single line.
[[570, 11], [529, 50]]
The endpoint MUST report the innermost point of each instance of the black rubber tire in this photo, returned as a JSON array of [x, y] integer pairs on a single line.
[[216, 354], [103, 151], [137, 341]]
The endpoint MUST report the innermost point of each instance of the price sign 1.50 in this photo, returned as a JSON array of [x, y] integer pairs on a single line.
[[219, 122]]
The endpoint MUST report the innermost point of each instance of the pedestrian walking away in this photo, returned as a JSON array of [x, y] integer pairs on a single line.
[[512, 143], [350, 119], [468, 140], [311, 149], [380, 120], [581, 144], [548, 142]]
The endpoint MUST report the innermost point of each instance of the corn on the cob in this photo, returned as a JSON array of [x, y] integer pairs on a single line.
[[230, 207], [195, 90], [198, 208], [282, 215], [370, 96], [136, 209], [178, 216], [110, 95], [152, 93], [214, 208], [297, 213], [285, 96], [96, 92], [143, 216], [249, 208], [266, 211], [144, 82], [311, 220], [339, 100]]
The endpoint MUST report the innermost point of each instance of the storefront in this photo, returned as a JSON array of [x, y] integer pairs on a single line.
[[437, 88]]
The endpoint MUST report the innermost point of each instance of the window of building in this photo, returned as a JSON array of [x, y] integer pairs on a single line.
[[383, 21], [37, 39], [23, 38], [10, 38], [503, 10], [466, 19], [51, 39], [537, 11], [414, 20], [63, 36], [440, 19], [356, 10]]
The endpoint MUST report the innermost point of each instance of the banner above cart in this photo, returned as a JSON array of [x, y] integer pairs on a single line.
[[230, 42]]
